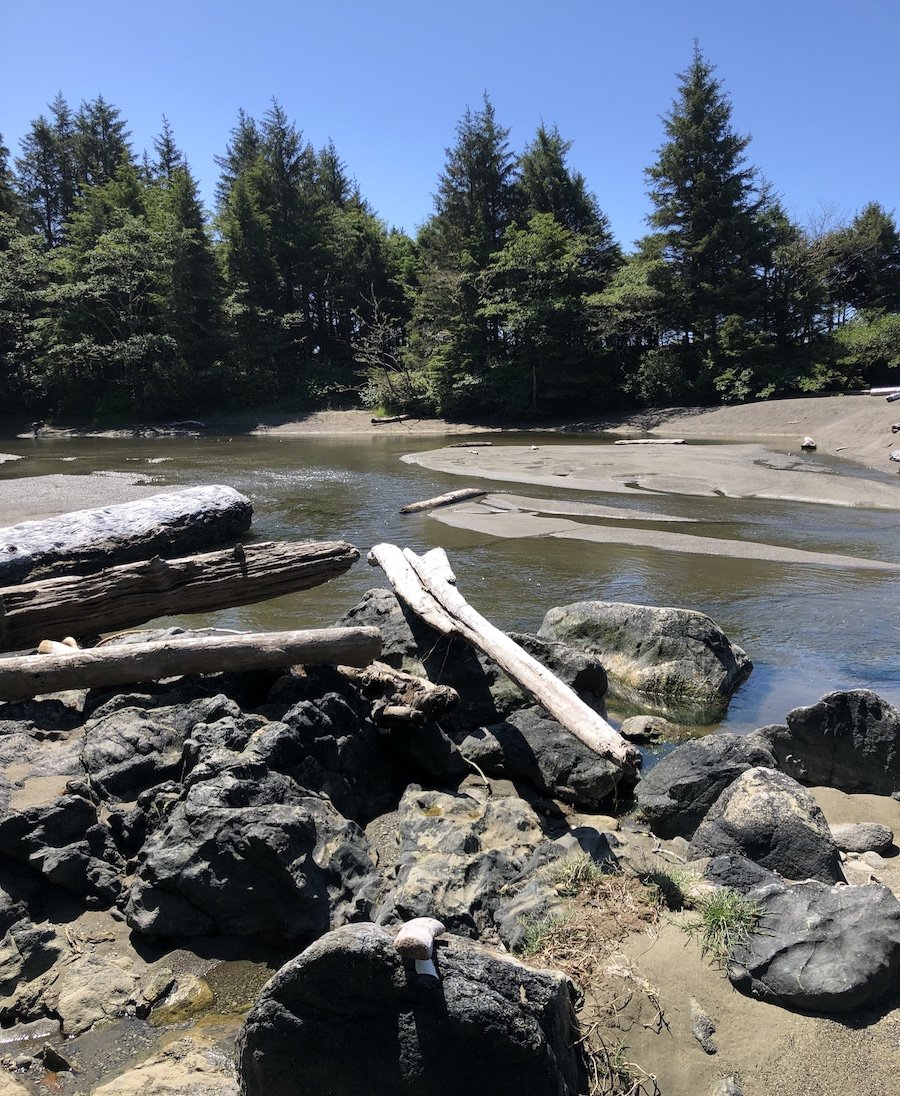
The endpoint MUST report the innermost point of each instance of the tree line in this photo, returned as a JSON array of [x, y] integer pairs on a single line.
[[120, 296]]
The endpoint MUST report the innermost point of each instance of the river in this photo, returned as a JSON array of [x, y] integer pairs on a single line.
[[809, 629]]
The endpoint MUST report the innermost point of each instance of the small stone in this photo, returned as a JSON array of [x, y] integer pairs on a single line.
[[646, 728], [703, 1026], [191, 996], [728, 1086], [862, 837]]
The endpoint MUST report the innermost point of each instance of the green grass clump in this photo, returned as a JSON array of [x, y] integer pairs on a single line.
[[538, 933], [724, 919], [573, 875]]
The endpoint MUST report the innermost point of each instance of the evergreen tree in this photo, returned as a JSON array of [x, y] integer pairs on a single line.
[[40, 181], [101, 142], [169, 157], [705, 205], [8, 202]]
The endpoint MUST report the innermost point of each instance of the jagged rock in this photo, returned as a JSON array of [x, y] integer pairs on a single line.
[[65, 843], [457, 852], [703, 1027], [862, 837], [533, 896], [676, 793], [532, 746], [347, 1018], [735, 872], [26, 950], [90, 989], [45, 718], [769, 818], [247, 851], [671, 661], [848, 740], [821, 948]]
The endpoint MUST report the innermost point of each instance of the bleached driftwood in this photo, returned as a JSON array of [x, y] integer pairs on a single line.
[[443, 500], [415, 938], [390, 418], [808, 443], [34, 675], [469, 444], [651, 441], [168, 524], [421, 583], [125, 596], [399, 697]]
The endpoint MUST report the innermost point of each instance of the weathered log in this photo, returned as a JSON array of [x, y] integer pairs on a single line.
[[390, 418], [469, 444], [85, 541], [893, 397], [422, 584], [400, 697], [888, 390], [443, 500], [651, 441], [33, 675], [132, 594]]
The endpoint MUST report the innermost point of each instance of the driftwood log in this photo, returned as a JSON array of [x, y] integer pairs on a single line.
[[650, 441], [443, 500], [85, 541], [469, 444], [132, 594], [390, 418], [399, 698], [33, 675], [423, 583]]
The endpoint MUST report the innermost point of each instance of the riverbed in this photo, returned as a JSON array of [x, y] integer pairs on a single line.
[[810, 627]]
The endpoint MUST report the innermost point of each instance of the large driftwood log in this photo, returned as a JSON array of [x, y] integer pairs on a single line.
[[650, 441], [443, 500], [122, 597], [84, 541], [422, 582], [34, 675], [390, 418]]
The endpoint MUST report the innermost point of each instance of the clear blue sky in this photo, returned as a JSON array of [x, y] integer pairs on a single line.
[[815, 82]]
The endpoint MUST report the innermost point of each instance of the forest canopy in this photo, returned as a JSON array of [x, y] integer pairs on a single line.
[[121, 295]]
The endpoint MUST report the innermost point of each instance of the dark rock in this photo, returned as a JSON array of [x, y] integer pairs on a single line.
[[737, 873], [862, 837], [703, 1027], [646, 728], [247, 852], [769, 818], [676, 793], [848, 740], [66, 844], [820, 948], [532, 746], [348, 1019], [427, 750], [26, 950], [671, 661], [40, 718], [457, 853]]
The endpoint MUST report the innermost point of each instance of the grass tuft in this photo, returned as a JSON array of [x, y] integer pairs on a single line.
[[723, 920]]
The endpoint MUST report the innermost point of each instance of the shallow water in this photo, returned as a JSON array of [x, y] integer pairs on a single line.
[[809, 629]]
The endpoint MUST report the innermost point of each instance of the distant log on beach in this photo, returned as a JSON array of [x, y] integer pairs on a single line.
[[443, 500], [132, 594], [34, 675], [85, 541], [469, 444], [651, 441], [390, 418]]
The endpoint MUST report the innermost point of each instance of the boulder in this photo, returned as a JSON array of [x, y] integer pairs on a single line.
[[647, 729], [821, 948], [348, 1018], [848, 740], [532, 746], [769, 818], [247, 851], [457, 853], [862, 837], [673, 662], [676, 793], [735, 872]]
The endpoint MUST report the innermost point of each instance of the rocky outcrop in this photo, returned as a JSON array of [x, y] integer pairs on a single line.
[[769, 818], [457, 853], [347, 1017], [848, 740], [821, 948], [676, 793], [674, 662]]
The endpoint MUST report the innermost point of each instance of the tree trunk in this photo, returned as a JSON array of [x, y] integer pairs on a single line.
[[122, 597], [424, 584], [34, 675], [443, 500], [86, 541]]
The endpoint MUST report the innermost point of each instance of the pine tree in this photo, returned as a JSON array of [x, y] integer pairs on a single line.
[[169, 157], [705, 203], [101, 142]]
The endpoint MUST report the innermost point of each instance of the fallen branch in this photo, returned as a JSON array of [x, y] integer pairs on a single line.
[[390, 418], [399, 697], [122, 597], [443, 500], [421, 582], [651, 441], [34, 675], [469, 444]]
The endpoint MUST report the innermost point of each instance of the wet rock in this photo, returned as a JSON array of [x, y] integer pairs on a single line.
[[487, 1024], [457, 852], [676, 793], [769, 818], [820, 948], [244, 831], [646, 728], [667, 660], [862, 837], [191, 996], [848, 740], [532, 746]]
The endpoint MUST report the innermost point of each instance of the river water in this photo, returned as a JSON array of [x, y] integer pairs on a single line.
[[809, 629]]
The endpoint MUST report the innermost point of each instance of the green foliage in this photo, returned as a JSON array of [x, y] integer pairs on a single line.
[[537, 931], [724, 919], [572, 875]]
